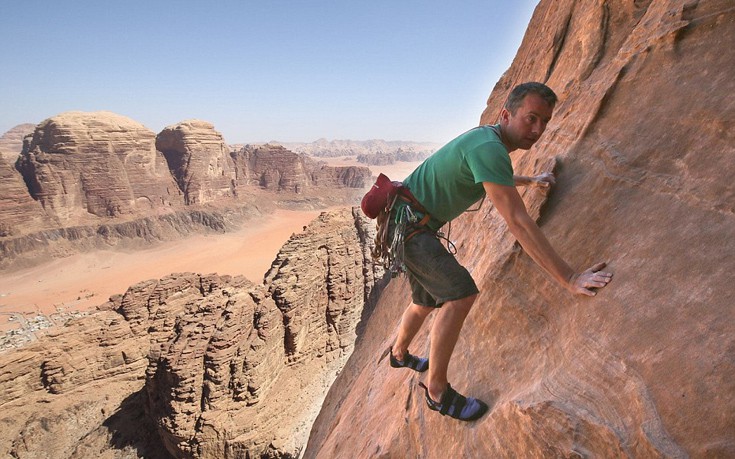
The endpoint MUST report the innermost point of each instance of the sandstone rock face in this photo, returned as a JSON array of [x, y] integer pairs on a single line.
[[63, 396], [17, 208], [273, 167], [201, 366], [102, 164], [11, 143], [199, 159], [245, 370], [642, 140]]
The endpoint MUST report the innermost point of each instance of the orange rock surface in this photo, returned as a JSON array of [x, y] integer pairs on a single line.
[[643, 146]]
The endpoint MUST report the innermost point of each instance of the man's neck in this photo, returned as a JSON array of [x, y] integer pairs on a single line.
[[504, 139]]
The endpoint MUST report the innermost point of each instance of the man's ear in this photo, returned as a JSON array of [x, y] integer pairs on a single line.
[[504, 115]]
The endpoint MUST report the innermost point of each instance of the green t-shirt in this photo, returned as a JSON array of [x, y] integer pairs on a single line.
[[450, 180]]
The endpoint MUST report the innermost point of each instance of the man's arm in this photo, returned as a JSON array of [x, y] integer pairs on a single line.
[[511, 207], [544, 180]]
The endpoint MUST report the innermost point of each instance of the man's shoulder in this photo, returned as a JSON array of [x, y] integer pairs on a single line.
[[485, 136]]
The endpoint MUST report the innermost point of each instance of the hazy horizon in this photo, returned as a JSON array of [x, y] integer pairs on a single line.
[[260, 72]]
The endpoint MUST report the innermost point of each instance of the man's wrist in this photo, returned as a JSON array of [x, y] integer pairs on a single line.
[[523, 180]]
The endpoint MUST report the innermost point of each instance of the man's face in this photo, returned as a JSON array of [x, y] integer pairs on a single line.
[[524, 128]]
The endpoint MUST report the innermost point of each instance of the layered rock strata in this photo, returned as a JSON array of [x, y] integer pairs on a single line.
[[642, 143], [11, 143], [199, 366], [199, 160], [20, 251], [104, 164], [273, 167], [96, 180], [17, 207]]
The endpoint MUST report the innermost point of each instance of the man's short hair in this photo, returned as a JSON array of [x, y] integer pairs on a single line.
[[515, 99]]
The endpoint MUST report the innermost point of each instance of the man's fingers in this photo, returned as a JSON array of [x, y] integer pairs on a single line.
[[593, 279], [598, 267], [544, 180]]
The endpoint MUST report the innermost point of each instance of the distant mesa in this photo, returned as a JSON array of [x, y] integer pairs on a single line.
[[276, 168], [373, 152], [199, 160]]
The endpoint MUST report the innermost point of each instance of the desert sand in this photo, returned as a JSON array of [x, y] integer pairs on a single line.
[[82, 282]]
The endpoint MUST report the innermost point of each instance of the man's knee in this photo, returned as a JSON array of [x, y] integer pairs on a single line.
[[421, 310], [462, 303]]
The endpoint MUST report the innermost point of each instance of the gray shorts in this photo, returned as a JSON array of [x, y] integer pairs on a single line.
[[434, 274]]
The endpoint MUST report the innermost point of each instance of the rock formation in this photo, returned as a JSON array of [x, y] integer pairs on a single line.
[[11, 143], [273, 167], [96, 180], [199, 160], [642, 140], [17, 208], [200, 366], [104, 164], [24, 250]]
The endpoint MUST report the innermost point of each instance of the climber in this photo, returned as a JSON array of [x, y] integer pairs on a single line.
[[473, 165]]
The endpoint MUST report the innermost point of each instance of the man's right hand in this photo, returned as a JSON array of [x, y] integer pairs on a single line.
[[593, 277]]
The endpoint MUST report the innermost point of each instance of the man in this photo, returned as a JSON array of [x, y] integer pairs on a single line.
[[475, 164]]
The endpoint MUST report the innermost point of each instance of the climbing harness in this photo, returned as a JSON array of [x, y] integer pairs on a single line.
[[407, 223]]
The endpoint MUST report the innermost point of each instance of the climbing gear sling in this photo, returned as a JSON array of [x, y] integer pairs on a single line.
[[411, 218]]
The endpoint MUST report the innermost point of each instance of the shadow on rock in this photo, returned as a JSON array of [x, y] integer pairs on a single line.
[[131, 429]]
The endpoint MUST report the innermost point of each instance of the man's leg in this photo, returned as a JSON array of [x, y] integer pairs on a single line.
[[413, 318], [444, 335]]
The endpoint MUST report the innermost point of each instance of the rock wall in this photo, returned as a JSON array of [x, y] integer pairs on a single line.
[[101, 164], [273, 167], [199, 160], [642, 143], [17, 207], [198, 366]]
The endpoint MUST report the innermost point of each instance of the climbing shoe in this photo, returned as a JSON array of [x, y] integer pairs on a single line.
[[455, 405], [419, 364]]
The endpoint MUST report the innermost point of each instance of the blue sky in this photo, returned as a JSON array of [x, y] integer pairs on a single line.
[[263, 70]]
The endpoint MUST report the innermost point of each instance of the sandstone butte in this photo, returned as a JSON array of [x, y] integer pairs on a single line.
[[642, 144], [101, 180]]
